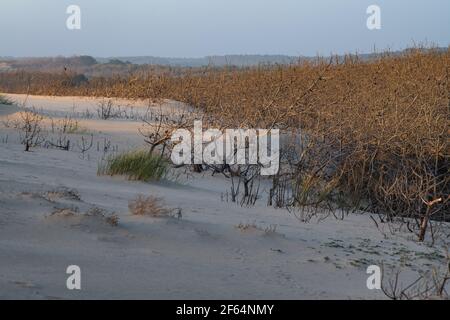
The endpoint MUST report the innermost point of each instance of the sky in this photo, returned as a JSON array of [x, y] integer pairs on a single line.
[[197, 28]]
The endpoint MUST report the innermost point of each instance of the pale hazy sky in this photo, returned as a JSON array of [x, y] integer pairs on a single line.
[[194, 28]]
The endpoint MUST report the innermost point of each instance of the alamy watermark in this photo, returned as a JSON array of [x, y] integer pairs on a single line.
[[73, 282], [73, 22], [234, 146], [374, 280], [374, 19]]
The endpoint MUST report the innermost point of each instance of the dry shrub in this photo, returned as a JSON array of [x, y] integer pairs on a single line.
[[150, 206], [29, 124], [430, 285], [66, 125], [113, 220]]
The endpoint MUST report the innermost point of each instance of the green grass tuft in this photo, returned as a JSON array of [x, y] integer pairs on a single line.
[[137, 165], [5, 101]]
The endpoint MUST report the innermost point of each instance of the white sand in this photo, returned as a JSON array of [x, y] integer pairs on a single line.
[[202, 255]]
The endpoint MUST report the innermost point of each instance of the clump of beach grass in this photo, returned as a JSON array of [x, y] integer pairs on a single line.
[[5, 101], [139, 165]]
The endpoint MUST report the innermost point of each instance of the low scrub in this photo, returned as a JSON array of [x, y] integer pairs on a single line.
[[136, 165], [148, 206]]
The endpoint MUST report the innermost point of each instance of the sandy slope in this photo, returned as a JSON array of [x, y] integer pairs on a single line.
[[202, 255]]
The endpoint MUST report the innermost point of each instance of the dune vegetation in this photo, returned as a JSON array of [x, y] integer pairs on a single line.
[[5, 101], [136, 165], [360, 135]]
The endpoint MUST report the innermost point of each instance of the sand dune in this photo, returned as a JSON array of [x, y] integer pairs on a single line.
[[47, 195]]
